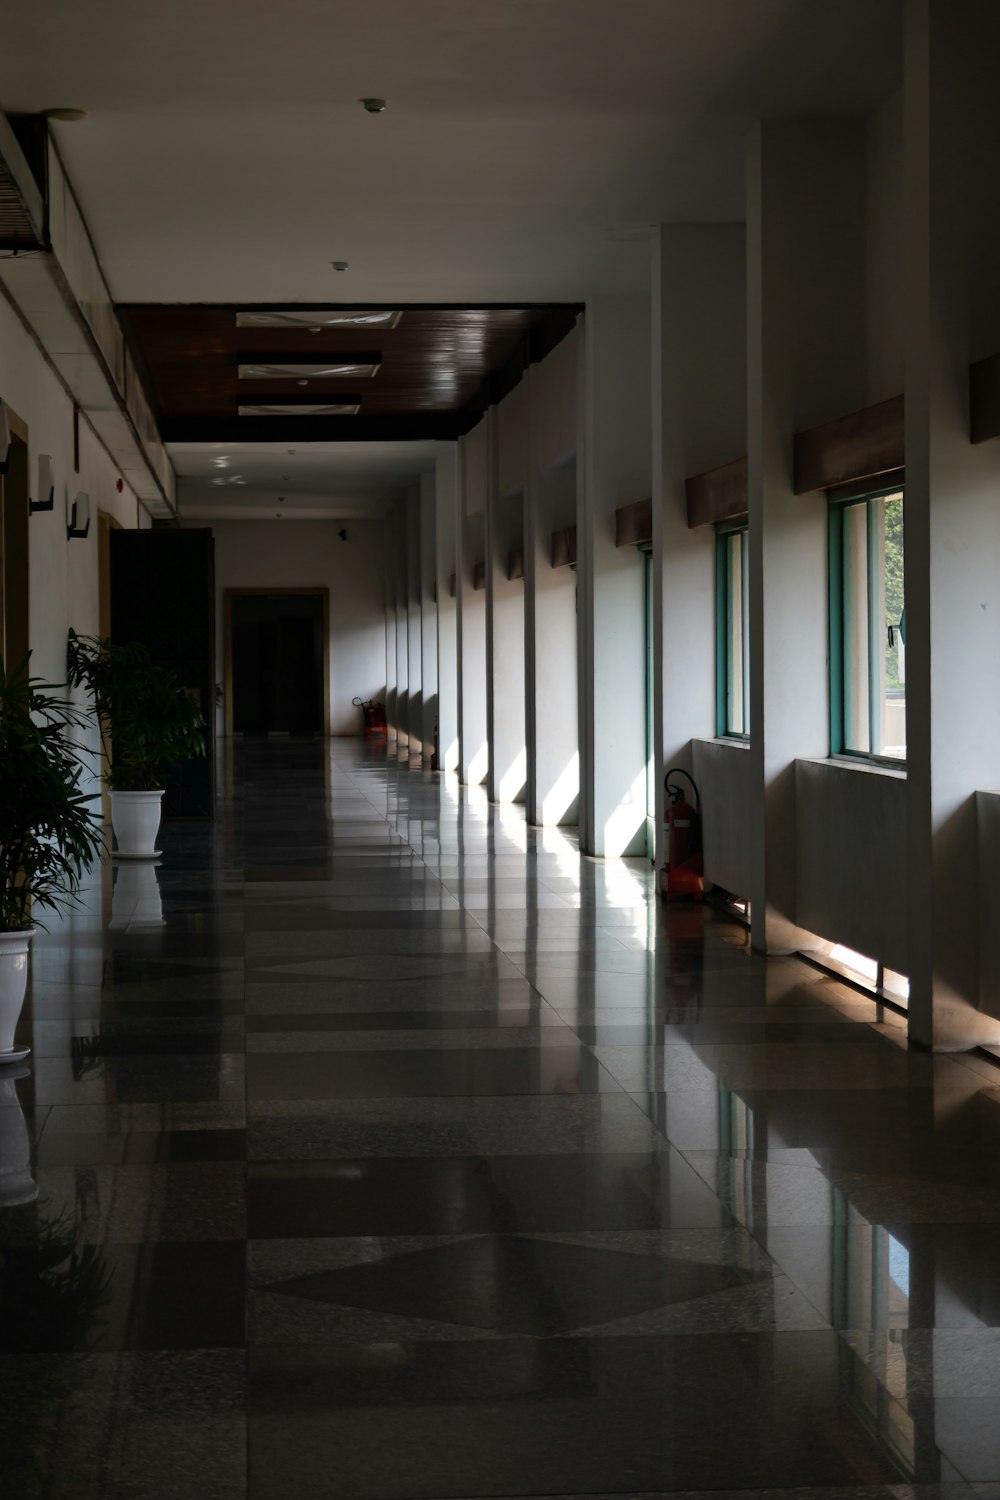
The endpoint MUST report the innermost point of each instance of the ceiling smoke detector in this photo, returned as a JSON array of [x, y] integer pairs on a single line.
[[339, 265], [373, 106]]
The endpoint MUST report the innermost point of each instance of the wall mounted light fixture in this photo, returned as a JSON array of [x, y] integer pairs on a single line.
[[46, 486], [78, 519]]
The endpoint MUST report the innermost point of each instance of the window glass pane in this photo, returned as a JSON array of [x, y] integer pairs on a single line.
[[736, 705], [857, 734], [890, 629]]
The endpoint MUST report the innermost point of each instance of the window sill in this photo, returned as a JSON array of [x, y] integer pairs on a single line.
[[849, 763], [730, 741]]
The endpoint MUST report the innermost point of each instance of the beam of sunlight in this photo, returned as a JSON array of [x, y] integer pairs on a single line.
[[479, 765], [625, 830], [558, 800], [512, 781]]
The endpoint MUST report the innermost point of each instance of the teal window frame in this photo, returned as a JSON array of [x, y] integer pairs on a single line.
[[840, 501], [724, 531]]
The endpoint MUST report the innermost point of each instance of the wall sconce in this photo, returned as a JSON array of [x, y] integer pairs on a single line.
[[78, 520], [4, 440], [46, 486]]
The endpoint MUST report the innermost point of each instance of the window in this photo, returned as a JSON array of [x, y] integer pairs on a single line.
[[732, 656], [867, 626]]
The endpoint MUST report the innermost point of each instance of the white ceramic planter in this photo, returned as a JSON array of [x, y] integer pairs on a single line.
[[16, 1182], [13, 983], [135, 900], [135, 818]]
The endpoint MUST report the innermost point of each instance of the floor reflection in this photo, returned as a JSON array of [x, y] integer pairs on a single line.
[[378, 1134]]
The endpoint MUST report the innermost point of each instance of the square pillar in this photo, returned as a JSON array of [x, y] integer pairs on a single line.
[[473, 743], [445, 534], [952, 539], [806, 343], [428, 615], [613, 470]]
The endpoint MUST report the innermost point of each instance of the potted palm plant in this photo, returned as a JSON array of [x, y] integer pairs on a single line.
[[48, 833], [148, 722]]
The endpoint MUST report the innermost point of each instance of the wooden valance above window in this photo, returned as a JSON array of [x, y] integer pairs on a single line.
[[634, 524], [563, 553], [860, 446], [718, 494]]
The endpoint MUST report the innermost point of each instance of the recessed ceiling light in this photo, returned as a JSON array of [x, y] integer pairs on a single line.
[[309, 370], [315, 320], [300, 409], [60, 112]]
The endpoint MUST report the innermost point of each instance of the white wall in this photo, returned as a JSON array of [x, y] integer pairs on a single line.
[[699, 423], [309, 554], [886, 250], [851, 866], [63, 573], [723, 770]]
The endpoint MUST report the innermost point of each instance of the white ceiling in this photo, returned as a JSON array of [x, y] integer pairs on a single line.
[[527, 147], [226, 156], [319, 481]]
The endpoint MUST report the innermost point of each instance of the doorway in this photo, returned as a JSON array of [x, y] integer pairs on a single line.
[[277, 661]]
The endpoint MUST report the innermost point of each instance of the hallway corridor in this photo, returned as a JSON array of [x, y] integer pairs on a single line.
[[387, 1149]]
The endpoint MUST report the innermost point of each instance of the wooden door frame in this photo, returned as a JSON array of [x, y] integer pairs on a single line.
[[228, 595], [15, 598]]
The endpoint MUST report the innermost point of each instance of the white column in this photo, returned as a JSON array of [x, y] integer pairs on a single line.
[[805, 365], [552, 708], [402, 635], [445, 531], [699, 423], [415, 703], [390, 542], [952, 515], [428, 614], [473, 745], [507, 452], [615, 447]]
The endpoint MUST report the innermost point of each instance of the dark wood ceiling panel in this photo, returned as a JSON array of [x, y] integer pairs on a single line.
[[439, 369]]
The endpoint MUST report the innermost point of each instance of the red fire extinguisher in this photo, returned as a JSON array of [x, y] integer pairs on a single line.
[[685, 866]]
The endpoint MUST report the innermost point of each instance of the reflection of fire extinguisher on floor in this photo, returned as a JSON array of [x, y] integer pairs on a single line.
[[685, 865]]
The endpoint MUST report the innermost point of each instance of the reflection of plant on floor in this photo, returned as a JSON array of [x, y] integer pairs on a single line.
[[53, 1288], [86, 1053], [53, 1292]]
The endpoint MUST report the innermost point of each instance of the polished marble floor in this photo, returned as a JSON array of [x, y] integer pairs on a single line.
[[374, 1146]]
